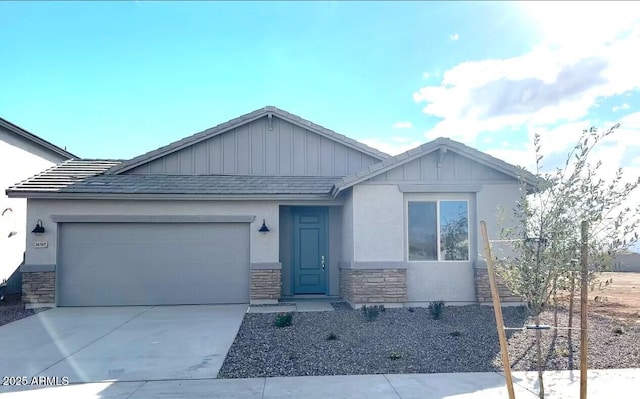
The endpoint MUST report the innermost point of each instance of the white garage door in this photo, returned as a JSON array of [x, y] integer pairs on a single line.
[[110, 264]]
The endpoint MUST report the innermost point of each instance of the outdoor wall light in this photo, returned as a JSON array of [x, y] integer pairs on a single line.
[[38, 229], [264, 228]]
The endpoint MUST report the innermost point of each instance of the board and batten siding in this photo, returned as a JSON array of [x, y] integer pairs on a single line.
[[454, 167], [261, 148]]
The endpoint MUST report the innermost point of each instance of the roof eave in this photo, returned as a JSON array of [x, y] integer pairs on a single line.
[[35, 139], [123, 196]]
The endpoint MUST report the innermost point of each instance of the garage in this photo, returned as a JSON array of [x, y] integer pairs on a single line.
[[114, 264]]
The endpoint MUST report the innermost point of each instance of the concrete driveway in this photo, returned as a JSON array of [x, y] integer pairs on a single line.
[[139, 343]]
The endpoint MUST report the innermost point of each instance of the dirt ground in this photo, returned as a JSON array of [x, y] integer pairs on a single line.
[[615, 295]]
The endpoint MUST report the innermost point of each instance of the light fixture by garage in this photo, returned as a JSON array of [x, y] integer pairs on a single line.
[[264, 228], [39, 229]]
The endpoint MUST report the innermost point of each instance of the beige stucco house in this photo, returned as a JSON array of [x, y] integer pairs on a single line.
[[22, 155], [264, 207]]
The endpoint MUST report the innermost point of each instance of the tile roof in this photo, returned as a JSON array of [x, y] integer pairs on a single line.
[[88, 177], [233, 123], [63, 175]]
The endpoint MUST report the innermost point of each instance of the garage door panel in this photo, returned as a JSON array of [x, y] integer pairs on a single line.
[[153, 264]]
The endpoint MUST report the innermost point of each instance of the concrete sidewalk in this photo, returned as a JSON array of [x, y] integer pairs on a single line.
[[603, 384]]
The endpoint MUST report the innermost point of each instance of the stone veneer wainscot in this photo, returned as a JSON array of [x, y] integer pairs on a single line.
[[483, 289], [38, 287], [265, 285], [361, 286]]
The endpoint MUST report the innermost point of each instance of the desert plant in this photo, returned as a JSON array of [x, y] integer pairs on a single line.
[[393, 355], [283, 319], [371, 312], [332, 337], [436, 309], [545, 228], [411, 310], [619, 330]]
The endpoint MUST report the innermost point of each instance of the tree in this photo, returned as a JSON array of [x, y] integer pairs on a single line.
[[545, 226]]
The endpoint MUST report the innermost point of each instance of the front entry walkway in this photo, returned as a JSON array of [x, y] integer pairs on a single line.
[[294, 306]]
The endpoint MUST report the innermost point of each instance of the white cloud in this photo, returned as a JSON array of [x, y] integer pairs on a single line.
[[402, 125], [557, 83], [454, 37], [426, 75], [617, 108]]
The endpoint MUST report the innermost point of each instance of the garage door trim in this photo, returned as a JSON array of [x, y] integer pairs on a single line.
[[153, 218]]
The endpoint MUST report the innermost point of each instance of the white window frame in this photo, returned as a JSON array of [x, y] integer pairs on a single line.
[[437, 201]]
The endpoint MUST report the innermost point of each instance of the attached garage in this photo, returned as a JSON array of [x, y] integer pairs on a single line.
[[160, 263]]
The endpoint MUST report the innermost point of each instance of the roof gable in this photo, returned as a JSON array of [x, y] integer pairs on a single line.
[[269, 114], [440, 146], [17, 130]]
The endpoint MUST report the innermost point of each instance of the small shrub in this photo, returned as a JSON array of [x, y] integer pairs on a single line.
[[436, 309], [619, 330], [393, 355], [562, 352], [283, 319], [371, 312], [411, 310], [332, 337], [455, 333]]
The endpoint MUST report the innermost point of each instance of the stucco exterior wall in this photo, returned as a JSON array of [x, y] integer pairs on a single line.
[[264, 247], [488, 200], [19, 159], [347, 227], [377, 223], [335, 248]]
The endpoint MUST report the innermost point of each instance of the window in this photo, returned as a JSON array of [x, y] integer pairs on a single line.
[[438, 231]]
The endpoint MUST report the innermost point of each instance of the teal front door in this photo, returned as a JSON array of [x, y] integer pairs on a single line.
[[310, 260]]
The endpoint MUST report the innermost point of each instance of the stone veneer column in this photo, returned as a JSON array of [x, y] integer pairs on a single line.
[[39, 287], [266, 283], [360, 285], [483, 289]]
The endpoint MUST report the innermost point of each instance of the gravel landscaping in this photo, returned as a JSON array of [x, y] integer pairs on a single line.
[[409, 340], [610, 344], [14, 310]]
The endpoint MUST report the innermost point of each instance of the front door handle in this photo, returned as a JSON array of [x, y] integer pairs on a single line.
[[322, 261]]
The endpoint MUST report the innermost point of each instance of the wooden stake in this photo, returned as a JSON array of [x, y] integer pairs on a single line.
[[497, 309], [584, 257]]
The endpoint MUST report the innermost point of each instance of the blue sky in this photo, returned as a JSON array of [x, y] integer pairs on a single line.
[[117, 79]]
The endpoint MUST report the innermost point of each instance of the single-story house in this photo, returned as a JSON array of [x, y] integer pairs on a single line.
[[22, 155], [264, 207]]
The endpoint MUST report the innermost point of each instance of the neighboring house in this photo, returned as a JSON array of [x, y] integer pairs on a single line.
[[264, 207], [22, 155]]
